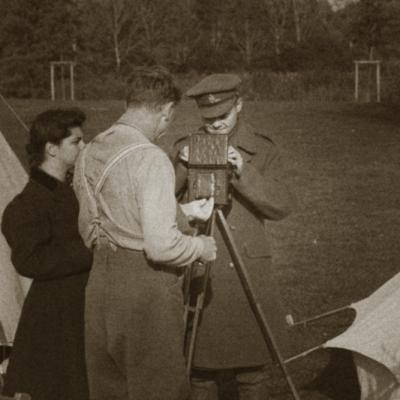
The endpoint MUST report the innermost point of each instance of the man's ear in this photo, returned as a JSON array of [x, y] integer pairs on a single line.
[[167, 111], [239, 104]]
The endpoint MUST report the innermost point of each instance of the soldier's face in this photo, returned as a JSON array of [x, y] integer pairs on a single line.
[[224, 124]]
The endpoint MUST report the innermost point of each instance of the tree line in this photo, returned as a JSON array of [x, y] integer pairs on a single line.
[[106, 37]]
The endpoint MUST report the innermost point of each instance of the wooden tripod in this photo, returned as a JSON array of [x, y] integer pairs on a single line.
[[250, 294]]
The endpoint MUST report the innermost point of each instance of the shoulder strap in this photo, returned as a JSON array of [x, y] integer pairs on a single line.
[[83, 167], [125, 151], [94, 227]]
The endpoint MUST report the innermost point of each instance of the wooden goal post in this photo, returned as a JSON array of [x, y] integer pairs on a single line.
[[62, 65], [377, 64]]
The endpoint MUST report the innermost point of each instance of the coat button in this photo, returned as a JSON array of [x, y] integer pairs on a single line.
[[233, 227], [231, 265]]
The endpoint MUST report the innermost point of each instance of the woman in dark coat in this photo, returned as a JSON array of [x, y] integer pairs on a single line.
[[40, 225]]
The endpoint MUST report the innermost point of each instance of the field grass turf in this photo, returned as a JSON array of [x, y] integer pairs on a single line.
[[341, 243]]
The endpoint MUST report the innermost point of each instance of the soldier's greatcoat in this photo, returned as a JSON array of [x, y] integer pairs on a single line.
[[229, 336]]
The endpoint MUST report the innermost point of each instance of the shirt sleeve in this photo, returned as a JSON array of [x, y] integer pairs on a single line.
[[163, 242], [35, 253], [183, 222]]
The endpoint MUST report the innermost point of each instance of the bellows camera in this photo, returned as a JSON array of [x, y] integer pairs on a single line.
[[209, 170]]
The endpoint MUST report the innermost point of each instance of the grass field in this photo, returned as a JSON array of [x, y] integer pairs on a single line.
[[341, 243]]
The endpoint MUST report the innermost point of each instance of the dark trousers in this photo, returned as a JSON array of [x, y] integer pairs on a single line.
[[251, 383], [133, 329]]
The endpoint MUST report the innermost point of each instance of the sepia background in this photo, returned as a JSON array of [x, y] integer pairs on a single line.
[[296, 57]]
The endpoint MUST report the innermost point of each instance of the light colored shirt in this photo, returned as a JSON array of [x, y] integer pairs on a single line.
[[136, 205]]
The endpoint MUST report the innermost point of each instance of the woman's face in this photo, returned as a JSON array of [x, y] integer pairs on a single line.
[[69, 148]]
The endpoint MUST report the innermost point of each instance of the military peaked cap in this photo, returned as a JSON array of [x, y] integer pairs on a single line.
[[216, 94]]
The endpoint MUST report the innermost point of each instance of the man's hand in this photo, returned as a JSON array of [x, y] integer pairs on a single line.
[[198, 209], [184, 153], [235, 158], [210, 248]]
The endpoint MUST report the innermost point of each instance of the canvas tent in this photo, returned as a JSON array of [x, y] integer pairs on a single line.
[[374, 340], [13, 288]]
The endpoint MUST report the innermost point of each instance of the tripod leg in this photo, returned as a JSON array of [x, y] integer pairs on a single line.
[[199, 302], [254, 302], [193, 336], [186, 295]]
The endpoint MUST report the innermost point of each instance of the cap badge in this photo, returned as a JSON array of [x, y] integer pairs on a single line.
[[212, 99]]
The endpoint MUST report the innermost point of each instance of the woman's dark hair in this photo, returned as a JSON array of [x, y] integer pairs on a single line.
[[151, 87], [51, 126]]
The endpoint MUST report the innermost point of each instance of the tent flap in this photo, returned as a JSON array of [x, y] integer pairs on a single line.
[[13, 288]]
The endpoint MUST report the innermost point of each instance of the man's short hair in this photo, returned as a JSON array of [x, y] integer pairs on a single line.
[[151, 87]]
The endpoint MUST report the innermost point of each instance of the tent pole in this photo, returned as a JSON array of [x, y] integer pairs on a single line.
[[319, 316], [304, 353]]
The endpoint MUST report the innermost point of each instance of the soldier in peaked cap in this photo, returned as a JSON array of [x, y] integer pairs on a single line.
[[229, 337]]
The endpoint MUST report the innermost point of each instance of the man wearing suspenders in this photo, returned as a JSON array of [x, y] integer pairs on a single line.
[[128, 214]]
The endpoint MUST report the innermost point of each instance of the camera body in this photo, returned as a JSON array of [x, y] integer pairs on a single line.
[[209, 170]]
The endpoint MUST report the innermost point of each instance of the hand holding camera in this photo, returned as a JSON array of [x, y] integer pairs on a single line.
[[199, 210], [236, 160], [184, 154]]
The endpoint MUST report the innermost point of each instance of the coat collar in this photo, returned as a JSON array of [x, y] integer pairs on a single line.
[[44, 179], [243, 138]]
